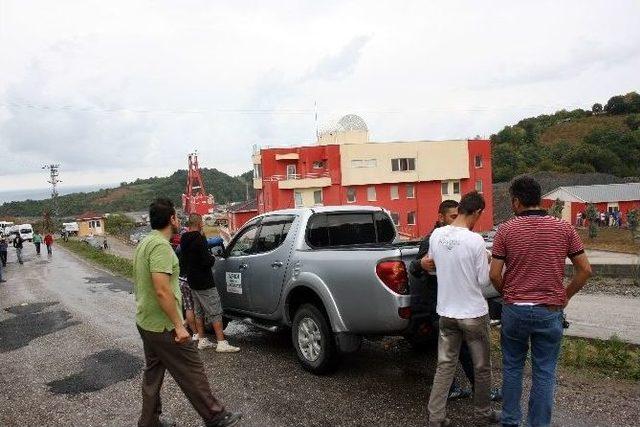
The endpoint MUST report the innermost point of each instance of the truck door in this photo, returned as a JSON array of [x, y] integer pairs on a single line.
[[270, 264], [232, 273]]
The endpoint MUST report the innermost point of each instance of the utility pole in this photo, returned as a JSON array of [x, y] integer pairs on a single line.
[[54, 181]]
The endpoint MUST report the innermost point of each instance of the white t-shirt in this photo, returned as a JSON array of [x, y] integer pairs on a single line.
[[462, 268]]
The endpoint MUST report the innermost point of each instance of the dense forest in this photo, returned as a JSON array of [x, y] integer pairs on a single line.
[[604, 139], [136, 195]]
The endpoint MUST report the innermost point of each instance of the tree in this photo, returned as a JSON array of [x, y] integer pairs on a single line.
[[633, 219], [633, 121], [593, 217], [616, 105], [557, 208], [119, 224], [597, 108]]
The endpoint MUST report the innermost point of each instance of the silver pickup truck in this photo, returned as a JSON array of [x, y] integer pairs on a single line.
[[332, 274]]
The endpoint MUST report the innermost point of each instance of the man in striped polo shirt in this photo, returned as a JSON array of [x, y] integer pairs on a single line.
[[533, 247]]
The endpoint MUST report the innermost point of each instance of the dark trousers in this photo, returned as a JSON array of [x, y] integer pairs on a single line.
[[48, 249], [37, 248], [3, 258], [183, 362]]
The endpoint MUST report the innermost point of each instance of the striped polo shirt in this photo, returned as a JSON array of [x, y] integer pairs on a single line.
[[534, 247]]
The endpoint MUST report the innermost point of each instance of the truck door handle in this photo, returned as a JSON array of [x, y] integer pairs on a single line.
[[243, 266], [276, 264]]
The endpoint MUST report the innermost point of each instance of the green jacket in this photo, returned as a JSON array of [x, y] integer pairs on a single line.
[[37, 238]]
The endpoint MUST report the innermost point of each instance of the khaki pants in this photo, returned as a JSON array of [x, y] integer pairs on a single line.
[[476, 333], [183, 362]]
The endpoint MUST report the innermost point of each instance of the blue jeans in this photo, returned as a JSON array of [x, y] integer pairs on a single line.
[[543, 328]]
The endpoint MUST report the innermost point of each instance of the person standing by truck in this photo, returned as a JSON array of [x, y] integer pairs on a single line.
[[166, 342], [198, 262], [48, 241], [37, 241], [463, 268], [529, 254], [4, 246]]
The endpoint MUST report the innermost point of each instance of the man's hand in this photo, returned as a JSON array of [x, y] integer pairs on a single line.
[[181, 334], [427, 264]]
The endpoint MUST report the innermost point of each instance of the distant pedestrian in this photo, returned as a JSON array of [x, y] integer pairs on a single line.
[[602, 219], [37, 241], [48, 241], [4, 246], [18, 243], [1, 278], [166, 342], [533, 247], [65, 236], [105, 244], [198, 262]]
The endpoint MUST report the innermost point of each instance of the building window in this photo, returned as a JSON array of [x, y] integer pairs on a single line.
[[317, 197], [297, 198], [445, 188], [364, 163], [456, 187], [351, 195], [478, 161], [371, 194], [320, 164], [291, 172], [395, 217], [411, 191], [411, 218], [479, 186], [257, 171], [403, 164], [394, 192]]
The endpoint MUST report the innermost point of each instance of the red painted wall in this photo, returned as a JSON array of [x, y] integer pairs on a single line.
[[481, 147]]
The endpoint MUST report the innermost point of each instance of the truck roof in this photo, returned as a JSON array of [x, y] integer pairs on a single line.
[[322, 209]]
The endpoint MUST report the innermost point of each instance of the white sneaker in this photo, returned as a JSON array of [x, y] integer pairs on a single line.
[[204, 343], [225, 347], [194, 337]]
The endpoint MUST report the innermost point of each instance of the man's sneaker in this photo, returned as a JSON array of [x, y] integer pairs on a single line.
[[194, 337], [225, 347], [496, 395], [205, 343], [228, 419], [459, 393]]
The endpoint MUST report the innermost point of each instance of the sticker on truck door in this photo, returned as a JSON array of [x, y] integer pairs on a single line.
[[234, 283]]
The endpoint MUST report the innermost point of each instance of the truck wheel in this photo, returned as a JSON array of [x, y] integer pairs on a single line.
[[314, 341]]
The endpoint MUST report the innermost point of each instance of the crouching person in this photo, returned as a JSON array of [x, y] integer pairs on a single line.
[[198, 262], [462, 265], [167, 344]]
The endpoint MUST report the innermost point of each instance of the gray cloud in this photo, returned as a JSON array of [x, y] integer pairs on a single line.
[[340, 64]]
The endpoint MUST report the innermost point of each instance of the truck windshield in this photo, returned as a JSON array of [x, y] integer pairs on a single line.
[[349, 228], [25, 230]]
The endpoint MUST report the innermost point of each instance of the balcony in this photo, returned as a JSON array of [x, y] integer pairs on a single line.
[[309, 180]]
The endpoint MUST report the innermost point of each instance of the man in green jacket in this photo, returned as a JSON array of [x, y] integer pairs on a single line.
[[167, 343], [37, 240]]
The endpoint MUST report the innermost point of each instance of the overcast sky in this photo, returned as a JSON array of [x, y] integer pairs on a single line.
[[116, 90]]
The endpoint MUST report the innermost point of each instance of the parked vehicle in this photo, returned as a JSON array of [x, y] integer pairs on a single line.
[[94, 242], [71, 228], [26, 231], [5, 228]]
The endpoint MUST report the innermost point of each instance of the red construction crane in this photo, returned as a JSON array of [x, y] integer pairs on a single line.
[[195, 198]]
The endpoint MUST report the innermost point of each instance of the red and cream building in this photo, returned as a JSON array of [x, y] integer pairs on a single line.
[[409, 179]]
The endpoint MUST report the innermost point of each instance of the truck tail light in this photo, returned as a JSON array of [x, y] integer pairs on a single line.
[[404, 312], [394, 275]]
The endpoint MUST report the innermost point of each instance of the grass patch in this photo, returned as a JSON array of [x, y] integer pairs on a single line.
[[610, 239], [610, 358], [115, 264]]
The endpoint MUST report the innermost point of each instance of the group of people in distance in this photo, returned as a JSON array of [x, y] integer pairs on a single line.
[[18, 244], [526, 266]]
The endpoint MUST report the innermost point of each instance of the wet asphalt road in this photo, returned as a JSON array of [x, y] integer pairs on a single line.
[[70, 355]]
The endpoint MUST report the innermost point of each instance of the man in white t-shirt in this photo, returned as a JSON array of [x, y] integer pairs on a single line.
[[462, 264]]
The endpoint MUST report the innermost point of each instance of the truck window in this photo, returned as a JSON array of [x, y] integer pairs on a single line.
[[273, 232], [244, 243], [349, 228]]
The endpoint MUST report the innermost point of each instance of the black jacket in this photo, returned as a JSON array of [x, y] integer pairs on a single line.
[[196, 261], [17, 242]]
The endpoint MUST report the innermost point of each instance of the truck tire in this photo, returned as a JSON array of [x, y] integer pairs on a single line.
[[314, 341]]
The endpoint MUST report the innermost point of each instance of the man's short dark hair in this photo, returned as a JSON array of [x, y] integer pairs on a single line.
[[470, 203], [527, 190], [160, 213], [446, 205]]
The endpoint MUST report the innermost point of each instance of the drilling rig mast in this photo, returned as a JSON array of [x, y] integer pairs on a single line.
[[195, 198]]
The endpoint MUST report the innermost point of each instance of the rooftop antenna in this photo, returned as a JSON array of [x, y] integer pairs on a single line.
[[315, 108], [54, 181]]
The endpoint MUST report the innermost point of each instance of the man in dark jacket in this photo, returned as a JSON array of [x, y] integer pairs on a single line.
[[18, 244], [198, 261]]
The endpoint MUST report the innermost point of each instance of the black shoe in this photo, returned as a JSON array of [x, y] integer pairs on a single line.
[[496, 395], [459, 393], [228, 419], [2, 281]]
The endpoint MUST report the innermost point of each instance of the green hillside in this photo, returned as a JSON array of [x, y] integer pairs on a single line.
[[136, 195], [605, 139]]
